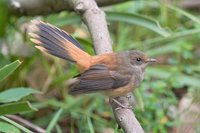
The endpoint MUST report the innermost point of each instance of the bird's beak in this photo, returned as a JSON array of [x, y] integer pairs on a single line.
[[151, 60]]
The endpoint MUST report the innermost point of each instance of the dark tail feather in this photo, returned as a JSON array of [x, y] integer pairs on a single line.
[[56, 42]]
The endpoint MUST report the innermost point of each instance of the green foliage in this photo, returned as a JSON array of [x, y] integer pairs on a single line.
[[137, 19], [54, 121], [15, 124], [164, 31], [7, 128], [8, 69], [15, 94], [17, 107], [3, 17]]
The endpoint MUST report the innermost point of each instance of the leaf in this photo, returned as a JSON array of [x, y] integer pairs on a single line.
[[67, 20], [165, 49], [188, 80], [140, 99], [8, 128], [8, 69], [167, 73], [54, 120], [130, 18], [175, 36], [25, 130], [15, 94], [137, 19], [187, 14], [90, 125], [159, 73], [17, 107]]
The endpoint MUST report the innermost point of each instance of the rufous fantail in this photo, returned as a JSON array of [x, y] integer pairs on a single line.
[[113, 74]]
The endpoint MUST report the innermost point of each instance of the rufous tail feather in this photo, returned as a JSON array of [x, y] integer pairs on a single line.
[[57, 42]]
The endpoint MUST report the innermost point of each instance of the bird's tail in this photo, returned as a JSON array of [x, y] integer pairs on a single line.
[[57, 42]]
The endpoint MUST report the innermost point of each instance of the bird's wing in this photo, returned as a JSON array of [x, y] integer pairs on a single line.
[[99, 78]]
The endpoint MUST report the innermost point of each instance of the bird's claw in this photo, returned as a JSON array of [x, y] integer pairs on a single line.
[[124, 107], [121, 106]]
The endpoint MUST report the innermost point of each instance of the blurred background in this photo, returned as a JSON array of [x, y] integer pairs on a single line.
[[168, 100]]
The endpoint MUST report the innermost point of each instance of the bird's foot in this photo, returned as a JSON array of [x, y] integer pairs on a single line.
[[121, 105]]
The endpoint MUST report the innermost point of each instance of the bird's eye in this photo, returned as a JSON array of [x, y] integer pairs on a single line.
[[138, 59]]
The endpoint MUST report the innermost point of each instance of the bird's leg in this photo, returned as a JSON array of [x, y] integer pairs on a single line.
[[121, 105]]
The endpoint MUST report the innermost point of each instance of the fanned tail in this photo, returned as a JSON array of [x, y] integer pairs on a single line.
[[57, 42]]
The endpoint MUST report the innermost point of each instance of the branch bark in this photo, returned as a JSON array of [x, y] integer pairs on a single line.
[[44, 7], [125, 117], [95, 20]]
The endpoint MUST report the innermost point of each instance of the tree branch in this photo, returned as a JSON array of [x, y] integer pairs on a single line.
[[92, 17], [125, 117], [95, 20], [44, 7]]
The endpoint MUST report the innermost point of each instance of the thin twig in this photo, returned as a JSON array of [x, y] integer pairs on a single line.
[[26, 123], [44, 7]]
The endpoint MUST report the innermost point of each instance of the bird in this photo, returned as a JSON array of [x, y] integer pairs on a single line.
[[112, 74]]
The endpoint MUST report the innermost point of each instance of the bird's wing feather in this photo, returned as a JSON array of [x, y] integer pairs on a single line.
[[99, 78]]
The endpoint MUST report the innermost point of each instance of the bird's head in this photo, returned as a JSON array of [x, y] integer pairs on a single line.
[[139, 59]]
